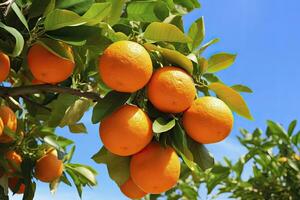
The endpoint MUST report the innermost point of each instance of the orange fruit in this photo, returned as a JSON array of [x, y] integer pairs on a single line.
[[171, 90], [48, 168], [125, 66], [1, 126], [126, 131], [14, 161], [155, 169], [48, 67], [208, 120], [4, 66], [13, 183], [9, 120], [36, 82], [131, 190]]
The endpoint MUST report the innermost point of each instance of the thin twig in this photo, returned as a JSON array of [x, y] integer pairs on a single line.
[[46, 88], [13, 103], [35, 103], [5, 3]]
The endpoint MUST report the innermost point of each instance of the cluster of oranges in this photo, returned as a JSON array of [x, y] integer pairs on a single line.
[[46, 67], [47, 168], [127, 67]]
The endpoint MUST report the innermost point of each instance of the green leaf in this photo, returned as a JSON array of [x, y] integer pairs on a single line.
[[108, 104], [292, 126], [111, 34], [180, 145], [20, 15], [203, 65], [68, 157], [61, 18], [219, 169], [84, 172], [201, 155], [38, 8], [19, 41], [241, 88], [77, 35], [96, 13], [115, 12], [277, 129], [118, 166], [189, 5], [58, 142], [293, 165], [75, 112], [76, 181], [296, 138], [220, 61], [214, 180], [147, 11], [158, 31], [77, 128], [196, 33], [65, 179], [82, 175], [232, 98], [78, 6], [206, 45], [49, 8], [59, 106], [161, 125], [239, 167], [57, 48], [212, 78], [172, 56]]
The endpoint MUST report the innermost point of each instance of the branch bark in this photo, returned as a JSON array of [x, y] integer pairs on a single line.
[[47, 88]]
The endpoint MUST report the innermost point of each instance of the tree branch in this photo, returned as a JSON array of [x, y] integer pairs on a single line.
[[35, 89], [7, 4]]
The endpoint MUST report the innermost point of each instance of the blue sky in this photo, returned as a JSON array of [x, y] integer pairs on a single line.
[[265, 35]]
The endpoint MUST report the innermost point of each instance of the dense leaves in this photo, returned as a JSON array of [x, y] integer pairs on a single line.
[[269, 169], [79, 31]]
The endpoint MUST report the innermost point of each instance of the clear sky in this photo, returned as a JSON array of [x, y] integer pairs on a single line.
[[265, 35]]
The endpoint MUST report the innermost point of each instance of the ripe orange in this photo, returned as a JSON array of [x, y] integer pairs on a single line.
[[14, 161], [4, 66], [36, 82], [208, 120], [49, 167], [1, 126], [9, 120], [125, 66], [12, 184], [48, 67], [126, 131], [131, 190], [171, 90], [155, 169]]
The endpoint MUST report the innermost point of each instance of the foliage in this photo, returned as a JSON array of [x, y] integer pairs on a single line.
[[89, 27], [273, 162]]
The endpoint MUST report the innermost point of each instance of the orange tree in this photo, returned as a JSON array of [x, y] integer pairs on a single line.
[[272, 158], [133, 64]]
